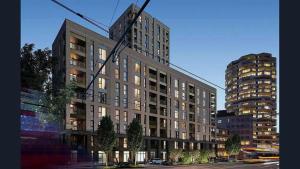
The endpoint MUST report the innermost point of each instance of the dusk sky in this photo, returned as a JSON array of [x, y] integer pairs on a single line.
[[205, 35]]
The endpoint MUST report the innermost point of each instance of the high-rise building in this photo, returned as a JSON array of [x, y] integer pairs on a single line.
[[175, 110], [251, 89], [148, 35]]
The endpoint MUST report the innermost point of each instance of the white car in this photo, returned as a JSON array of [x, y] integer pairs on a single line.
[[156, 161]]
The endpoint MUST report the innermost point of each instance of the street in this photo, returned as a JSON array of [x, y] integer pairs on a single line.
[[200, 166]]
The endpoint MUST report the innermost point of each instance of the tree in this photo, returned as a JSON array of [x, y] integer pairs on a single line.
[[175, 154], [194, 155], [135, 137], [36, 67], [233, 145], [55, 101], [106, 136]]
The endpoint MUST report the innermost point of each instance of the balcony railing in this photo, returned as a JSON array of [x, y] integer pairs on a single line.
[[163, 102], [77, 63], [152, 76], [77, 47], [152, 87]]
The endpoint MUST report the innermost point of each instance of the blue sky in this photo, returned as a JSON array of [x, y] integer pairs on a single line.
[[205, 35]]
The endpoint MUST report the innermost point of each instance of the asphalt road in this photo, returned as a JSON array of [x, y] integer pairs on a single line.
[[200, 166]]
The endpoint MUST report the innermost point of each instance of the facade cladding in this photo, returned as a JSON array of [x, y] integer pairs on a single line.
[[148, 35], [251, 89], [175, 110], [241, 125]]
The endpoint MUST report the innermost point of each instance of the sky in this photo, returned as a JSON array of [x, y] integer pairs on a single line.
[[205, 35]]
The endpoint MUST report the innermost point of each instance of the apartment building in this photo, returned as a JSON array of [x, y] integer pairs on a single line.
[[175, 110], [148, 35], [251, 89]]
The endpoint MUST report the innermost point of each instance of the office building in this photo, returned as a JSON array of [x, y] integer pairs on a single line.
[[175, 110], [251, 90], [221, 137]]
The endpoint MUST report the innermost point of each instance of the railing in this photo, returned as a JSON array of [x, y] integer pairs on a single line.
[[163, 79], [152, 76], [77, 63], [153, 99], [163, 91], [152, 87], [163, 102], [77, 47], [154, 111]]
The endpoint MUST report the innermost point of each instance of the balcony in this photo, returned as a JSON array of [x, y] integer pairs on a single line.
[[163, 78], [152, 86], [153, 98], [163, 111], [78, 113], [152, 109], [163, 100], [77, 47], [77, 63], [163, 89]]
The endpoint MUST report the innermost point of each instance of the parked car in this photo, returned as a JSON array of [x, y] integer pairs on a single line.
[[167, 163], [156, 161], [123, 165]]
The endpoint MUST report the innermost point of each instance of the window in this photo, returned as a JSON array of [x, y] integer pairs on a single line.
[[117, 156], [176, 125], [102, 97], [183, 135], [101, 83], [103, 69], [117, 116], [137, 80], [137, 68], [140, 156], [183, 96], [125, 96], [137, 105], [137, 93], [204, 94], [102, 54], [125, 67], [117, 94], [117, 73], [176, 145], [101, 112], [125, 116], [176, 83], [176, 114], [176, 94], [125, 155], [125, 144], [92, 57], [183, 86]]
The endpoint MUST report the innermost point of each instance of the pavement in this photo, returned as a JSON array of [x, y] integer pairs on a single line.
[[269, 165]]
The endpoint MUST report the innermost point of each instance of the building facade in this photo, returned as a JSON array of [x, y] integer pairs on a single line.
[[221, 137], [251, 90], [241, 125], [148, 35], [175, 110]]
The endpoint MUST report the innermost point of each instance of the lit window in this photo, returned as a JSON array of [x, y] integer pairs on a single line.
[[125, 144], [176, 83], [101, 82], [137, 80], [101, 111], [125, 116], [102, 54]]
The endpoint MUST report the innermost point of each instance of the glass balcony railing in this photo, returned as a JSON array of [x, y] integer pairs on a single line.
[[77, 47], [77, 63]]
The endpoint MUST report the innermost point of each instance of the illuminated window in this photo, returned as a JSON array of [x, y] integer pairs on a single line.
[[176, 125], [125, 116], [176, 83], [137, 80], [101, 82], [137, 93], [183, 135], [176, 93], [176, 145], [101, 111], [117, 115], [102, 54], [125, 145], [137, 68], [137, 105]]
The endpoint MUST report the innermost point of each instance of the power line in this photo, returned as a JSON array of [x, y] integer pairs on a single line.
[[178, 67], [81, 16], [112, 17]]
